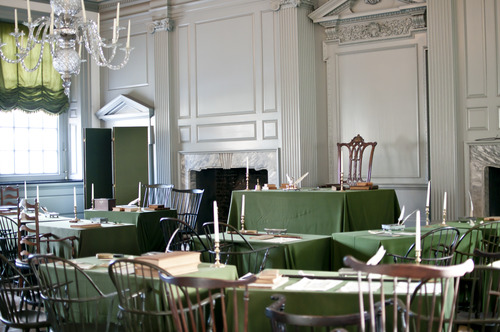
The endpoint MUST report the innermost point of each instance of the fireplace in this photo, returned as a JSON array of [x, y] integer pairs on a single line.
[[484, 172], [219, 173]]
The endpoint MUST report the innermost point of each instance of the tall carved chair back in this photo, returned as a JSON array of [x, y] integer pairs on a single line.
[[356, 148]]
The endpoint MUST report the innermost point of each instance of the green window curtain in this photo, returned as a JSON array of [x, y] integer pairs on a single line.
[[40, 90]]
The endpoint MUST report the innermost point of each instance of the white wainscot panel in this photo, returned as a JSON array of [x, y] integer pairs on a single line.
[[185, 134], [477, 118], [387, 80], [225, 66], [475, 49], [227, 132], [135, 72], [270, 129]]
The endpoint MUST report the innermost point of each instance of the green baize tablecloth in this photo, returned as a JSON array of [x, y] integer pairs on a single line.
[[99, 274], [109, 238], [149, 233], [330, 302], [315, 211], [310, 252], [363, 245]]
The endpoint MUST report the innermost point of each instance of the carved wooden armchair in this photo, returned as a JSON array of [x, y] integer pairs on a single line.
[[356, 148]]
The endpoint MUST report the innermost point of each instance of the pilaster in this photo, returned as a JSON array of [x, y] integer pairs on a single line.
[[443, 131]]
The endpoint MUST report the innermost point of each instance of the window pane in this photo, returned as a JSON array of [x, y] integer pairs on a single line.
[[29, 143], [36, 162], [22, 162]]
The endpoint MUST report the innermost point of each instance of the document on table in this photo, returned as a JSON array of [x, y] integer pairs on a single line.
[[306, 284], [282, 239]]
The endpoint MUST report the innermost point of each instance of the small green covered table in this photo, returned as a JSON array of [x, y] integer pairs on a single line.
[[149, 233], [109, 238], [363, 245], [315, 211], [300, 251]]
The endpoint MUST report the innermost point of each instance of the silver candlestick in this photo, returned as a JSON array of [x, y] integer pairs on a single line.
[[76, 218], [427, 211]]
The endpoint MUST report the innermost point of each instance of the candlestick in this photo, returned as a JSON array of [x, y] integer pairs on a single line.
[[427, 212], [443, 223], [418, 250], [92, 198], [216, 235], [243, 213], [74, 206], [128, 36], [341, 181], [25, 191]]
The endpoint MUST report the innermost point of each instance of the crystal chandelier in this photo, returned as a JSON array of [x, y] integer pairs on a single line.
[[63, 31]]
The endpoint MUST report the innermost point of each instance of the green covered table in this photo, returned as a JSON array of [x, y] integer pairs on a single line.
[[315, 211], [149, 233], [363, 245], [109, 238], [300, 251], [339, 300]]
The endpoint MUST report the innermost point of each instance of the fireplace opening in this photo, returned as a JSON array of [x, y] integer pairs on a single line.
[[493, 194], [219, 184]]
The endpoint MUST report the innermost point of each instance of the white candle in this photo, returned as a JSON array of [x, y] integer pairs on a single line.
[[139, 202], [471, 206], [37, 194], [83, 12], [243, 205], [52, 22], [114, 31], [16, 28], [92, 195], [444, 202], [128, 35], [117, 14], [341, 164], [427, 202], [74, 196], [25, 191], [216, 222], [29, 11], [98, 22], [417, 232]]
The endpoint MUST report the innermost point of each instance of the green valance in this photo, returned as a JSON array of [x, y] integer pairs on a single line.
[[40, 90]]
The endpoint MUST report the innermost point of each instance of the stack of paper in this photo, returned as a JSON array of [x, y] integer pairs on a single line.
[[175, 263], [269, 279], [306, 284]]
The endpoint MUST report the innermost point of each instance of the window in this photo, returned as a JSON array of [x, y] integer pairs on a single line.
[[30, 145]]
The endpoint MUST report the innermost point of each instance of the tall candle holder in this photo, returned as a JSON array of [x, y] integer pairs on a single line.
[[418, 254], [247, 179], [443, 223], [242, 223], [341, 181], [217, 263], [427, 222], [76, 217]]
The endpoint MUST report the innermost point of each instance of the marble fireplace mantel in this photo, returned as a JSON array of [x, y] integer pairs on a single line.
[[481, 154], [257, 159]]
